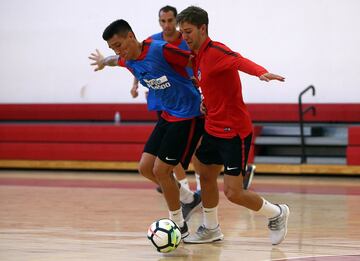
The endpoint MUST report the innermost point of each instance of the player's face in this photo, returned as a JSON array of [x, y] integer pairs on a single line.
[[125, 46], [167, 22], [193, 35]]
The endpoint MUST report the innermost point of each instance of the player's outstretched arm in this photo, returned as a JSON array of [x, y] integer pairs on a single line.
[[270, 76], [100, 62]]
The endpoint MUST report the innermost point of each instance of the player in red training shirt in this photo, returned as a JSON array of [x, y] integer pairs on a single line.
[[228, 129]]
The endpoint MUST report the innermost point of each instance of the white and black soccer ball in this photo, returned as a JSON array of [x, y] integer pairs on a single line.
[[164, 234]]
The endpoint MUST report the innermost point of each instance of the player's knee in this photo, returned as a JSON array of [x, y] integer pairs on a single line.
[[233, 194], [162, 171], [145, 169], [158, 172]]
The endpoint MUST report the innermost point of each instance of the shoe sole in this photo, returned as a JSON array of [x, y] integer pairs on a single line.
[[197, 207], [286, 222], [219, 238], [287, 218]]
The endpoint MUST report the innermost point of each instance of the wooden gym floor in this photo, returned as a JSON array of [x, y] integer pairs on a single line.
[[64, 215]]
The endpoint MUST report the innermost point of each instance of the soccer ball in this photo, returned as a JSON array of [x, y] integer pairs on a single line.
[[164, 234]]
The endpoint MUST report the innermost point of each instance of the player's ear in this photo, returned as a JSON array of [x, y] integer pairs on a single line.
[[203, 29], [131, 35]]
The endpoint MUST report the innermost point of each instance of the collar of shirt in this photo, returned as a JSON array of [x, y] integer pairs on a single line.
[[144, 49], [196, 57], [204, 45]]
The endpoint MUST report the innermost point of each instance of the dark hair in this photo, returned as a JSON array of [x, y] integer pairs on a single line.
[[168, 8], [117, 27], [193, 15]]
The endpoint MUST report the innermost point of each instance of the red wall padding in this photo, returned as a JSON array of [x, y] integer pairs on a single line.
[[353, 155], [353, 149], [354, 136], [76, 112], [71, 151], [73, 142], [75, 133], [289, 112], [58, 141], [332, 112]]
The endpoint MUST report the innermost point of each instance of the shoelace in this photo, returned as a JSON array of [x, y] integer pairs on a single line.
[[202, 230], [277, 223]]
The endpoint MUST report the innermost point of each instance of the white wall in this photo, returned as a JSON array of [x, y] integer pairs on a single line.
[[44, 45]]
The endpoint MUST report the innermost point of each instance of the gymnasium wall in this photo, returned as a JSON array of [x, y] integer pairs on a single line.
[[44, 45]]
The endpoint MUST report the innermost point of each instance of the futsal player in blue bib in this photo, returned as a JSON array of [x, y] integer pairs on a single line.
[[161, 67]]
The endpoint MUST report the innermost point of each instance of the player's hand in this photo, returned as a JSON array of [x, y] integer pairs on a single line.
[[270, 76], [99, 60], [134, 91], [203, 108]]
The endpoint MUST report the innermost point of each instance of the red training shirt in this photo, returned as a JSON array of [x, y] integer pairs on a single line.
[[217, 69]]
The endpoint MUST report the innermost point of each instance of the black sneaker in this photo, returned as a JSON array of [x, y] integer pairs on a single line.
[[247, 179], [158, 189], [189, 208], [184, 231]]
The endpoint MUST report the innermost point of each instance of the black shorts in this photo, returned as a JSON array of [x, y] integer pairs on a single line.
[[232, 153], [175, 142]]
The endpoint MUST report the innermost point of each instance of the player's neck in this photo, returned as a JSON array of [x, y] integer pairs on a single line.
[[201, 43], [138, 50], [171, 38]]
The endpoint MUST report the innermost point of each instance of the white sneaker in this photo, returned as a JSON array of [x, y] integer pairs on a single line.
[[278, 225], [205, 235]]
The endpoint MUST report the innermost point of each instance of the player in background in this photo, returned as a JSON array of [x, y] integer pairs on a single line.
[[160, 67], [228, 129]]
